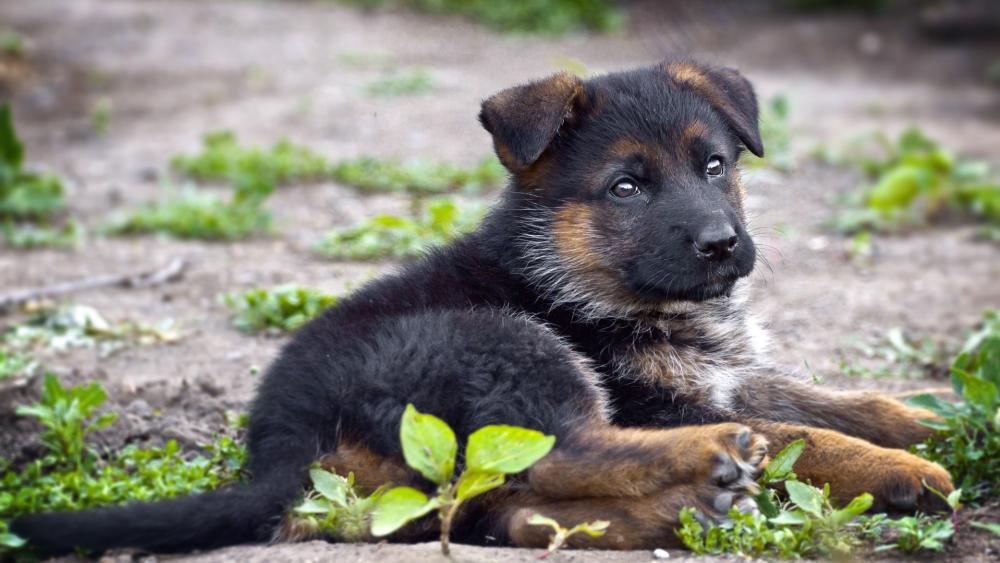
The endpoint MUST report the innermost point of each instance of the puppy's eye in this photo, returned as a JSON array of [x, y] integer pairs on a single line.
[[625, 188], [715, 167]]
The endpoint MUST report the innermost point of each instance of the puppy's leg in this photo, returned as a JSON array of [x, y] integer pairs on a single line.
[[852, 466], [868, 415], [607, 461], [645, 522]]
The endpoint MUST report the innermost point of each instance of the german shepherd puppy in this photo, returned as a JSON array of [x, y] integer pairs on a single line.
[[601, 301]]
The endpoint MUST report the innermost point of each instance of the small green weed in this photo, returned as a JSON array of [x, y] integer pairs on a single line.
[[530, 16], [80, 326], [917, 533], [430, 447], [195, 214], [23, 194], [223, 158], [282, 308], [900, 357], [13, 364], [774, 130], [396, 84], [72, 476], [100, 115], [390, 236], [914, 181], [967, 437], [593, 529], [11, 44], [335, 508], [418, 177], [32, 235]]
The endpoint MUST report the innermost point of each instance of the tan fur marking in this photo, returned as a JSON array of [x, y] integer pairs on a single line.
[[693, 77], [690, 133], [573, 232], [626, 147], [370, 469]]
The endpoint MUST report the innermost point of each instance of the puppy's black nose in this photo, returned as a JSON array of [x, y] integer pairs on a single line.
[[716, 241]]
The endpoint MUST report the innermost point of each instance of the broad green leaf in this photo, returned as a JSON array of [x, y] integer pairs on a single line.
[[977, 391], [13, 541], [954, 498], [765, 503], [993, 527], [329, 485], [397, 507], [781, 466], [507, 449], [897, 188], [806, 497], [932, 403], [473, 483], [313, 506], [429, 445], [790, 517], [855, 508]]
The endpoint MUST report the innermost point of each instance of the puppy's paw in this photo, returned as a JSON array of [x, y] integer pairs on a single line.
[[735, 456], [899, 484]]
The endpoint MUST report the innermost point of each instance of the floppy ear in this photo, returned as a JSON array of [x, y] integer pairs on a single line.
[[729, 93], [524, 119]]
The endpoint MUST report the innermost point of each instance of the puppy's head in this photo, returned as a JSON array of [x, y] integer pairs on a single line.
[[626, 187]]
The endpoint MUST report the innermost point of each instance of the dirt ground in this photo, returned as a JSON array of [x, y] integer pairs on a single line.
[[175, 69]]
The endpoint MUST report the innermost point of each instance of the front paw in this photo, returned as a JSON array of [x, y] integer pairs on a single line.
[[736, 456], [898, 484]]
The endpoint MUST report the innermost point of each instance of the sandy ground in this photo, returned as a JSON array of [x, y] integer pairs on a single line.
[[176, 69]]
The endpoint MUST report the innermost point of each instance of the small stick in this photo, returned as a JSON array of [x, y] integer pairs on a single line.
[[172, 271]]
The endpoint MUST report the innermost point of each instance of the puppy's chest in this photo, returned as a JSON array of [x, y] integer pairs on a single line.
[[688, 358]]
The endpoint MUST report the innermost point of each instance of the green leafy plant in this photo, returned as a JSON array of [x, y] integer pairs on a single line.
[[11, 44], [397, 84], [68, 416], [806, 525], [418, 176], [13, 364], [23, 194], [530, 16], [967, 434], [80, 326], [194, 214], [774, 130], [282, 308], [223, 158], [391, 236], [918, 533], [899, 356], [913, 181], [31, 235], [334, 507], [593, 529], [100, 115], [73, 476], [430, 447]]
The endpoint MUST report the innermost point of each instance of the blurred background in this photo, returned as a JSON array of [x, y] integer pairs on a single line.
[[299, 148]]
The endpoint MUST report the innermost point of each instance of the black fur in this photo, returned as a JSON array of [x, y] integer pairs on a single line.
[[460, 333]]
